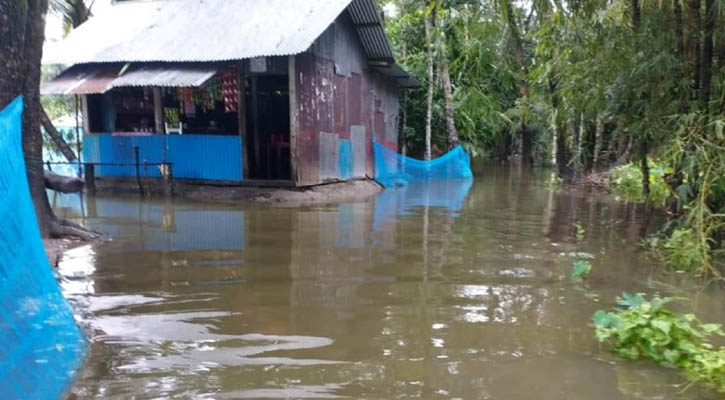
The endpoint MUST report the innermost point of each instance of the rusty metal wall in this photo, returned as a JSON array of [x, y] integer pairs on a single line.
[[354, 99], [340, 94], [385, 110], [359, 150], [329, 156], [314, 115], [340, 111], [349, 54], [367, 113]]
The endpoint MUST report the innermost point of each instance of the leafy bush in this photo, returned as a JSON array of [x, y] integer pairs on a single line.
[[684, 250], [649, 329], [580, 270], [626, 181]]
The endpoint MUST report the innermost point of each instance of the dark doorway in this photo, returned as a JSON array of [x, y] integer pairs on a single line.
[[268, 124]]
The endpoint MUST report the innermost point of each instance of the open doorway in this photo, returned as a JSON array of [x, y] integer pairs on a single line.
[[267, 105]]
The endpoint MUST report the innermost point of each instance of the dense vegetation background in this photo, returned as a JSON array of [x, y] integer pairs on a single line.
[[632, 91]]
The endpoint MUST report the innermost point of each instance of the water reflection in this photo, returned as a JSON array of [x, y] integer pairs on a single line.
[[444, 291]]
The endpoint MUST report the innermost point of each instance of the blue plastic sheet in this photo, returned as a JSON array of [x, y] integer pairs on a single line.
[[393, 169], [41, 347]]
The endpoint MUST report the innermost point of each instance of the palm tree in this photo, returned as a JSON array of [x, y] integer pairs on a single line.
[[74, 12]]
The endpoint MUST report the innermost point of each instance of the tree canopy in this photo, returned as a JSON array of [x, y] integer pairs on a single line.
[[585, 85]]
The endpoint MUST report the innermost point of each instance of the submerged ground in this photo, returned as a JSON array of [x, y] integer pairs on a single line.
[[452, 290]]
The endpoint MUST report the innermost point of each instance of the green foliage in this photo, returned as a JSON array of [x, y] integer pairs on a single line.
[[606, 89], [579, 255], [683, 250], [626, 181], [55, 106], [580, 231], [580, 270], [648, 329], [484, 85]]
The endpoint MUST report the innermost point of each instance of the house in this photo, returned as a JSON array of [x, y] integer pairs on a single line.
[[241, 91]]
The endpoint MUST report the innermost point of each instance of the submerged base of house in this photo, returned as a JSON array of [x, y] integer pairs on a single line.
[[279, 193]]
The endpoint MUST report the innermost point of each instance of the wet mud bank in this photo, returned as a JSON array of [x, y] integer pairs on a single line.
[[338, 192], [55, 248]]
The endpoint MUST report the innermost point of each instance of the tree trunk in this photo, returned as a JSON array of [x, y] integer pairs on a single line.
[[561, 158], [625, 151], [636, 14], [518, 46], [32, 136], [445, 77], [22, 32], [598, 139], [527, 158], [431, 83], [448, 94], [57, 137], [644, 152], [13, 14], [576, 130], [680, 46], [694, 42], [707, 54], [402, 139], [644, 141], [527, 145]]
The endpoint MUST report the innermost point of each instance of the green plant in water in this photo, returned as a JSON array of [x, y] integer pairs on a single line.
[[683, 250], [580, 231], [580, 270], [626, 181], [648, 329]]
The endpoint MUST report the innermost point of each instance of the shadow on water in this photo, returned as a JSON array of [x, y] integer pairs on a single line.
[[447, 290]]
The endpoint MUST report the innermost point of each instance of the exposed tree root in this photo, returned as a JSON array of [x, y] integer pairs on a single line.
[[62, 228], [63, 184]]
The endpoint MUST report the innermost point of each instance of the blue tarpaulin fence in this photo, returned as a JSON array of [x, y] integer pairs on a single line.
[[203, 157], [393, 169], [41, 347]]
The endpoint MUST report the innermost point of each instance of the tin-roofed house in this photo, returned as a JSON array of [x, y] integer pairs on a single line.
[[234, 90]]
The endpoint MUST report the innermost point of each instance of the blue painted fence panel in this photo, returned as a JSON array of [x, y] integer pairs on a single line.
[[345, 160], [204, 157]]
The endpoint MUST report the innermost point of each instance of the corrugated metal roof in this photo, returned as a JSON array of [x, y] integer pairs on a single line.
[[99, 78], [207, 30], [82, 79], [197, 30], [213, 30], [399, 75], [369, 26], [165, 75]]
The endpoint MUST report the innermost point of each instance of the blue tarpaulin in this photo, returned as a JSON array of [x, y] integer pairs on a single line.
[[41, 347], [393, 169]]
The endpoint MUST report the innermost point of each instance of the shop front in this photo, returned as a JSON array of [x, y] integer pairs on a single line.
[[210, 122]]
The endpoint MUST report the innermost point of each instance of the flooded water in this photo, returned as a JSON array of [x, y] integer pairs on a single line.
[[455, 290]]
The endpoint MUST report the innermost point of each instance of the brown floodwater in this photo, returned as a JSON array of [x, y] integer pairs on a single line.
[[456, 290]]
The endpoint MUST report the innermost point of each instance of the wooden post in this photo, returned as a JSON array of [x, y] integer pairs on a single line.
[[138, 174], [242, 121], [78, 136], [90, 178], [293, 115], [84, 114], [91, 208], [168, 180], [158, 111], [255, 127]]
